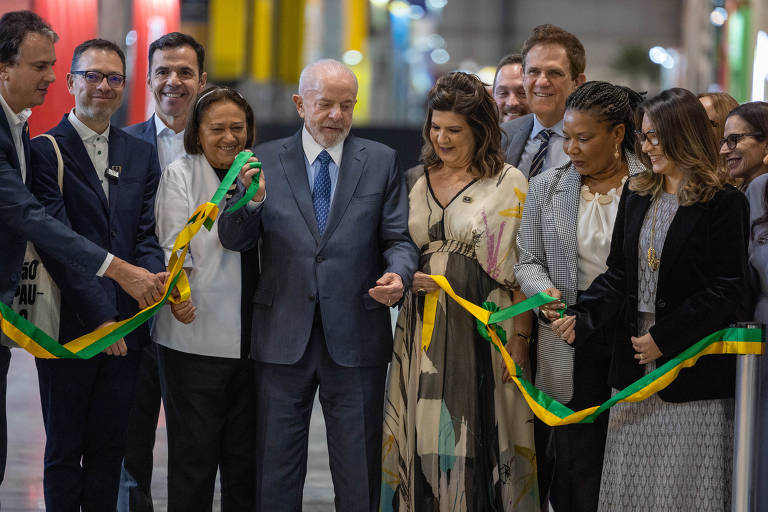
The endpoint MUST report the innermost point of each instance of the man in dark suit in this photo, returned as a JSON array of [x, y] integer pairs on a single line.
[[553, 66], [335, 254], [26, 70], [109, 186], [175, 78]]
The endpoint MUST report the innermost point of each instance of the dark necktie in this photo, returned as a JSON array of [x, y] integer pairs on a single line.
[[541, 154], [321, 192]]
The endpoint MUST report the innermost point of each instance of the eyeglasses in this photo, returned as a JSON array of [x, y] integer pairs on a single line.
[[650, 136], [114, 80], [733, 139]]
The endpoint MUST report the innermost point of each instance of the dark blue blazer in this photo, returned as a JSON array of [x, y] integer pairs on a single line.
[[145, 131], [23, 218], [125, 225], [366, 236]]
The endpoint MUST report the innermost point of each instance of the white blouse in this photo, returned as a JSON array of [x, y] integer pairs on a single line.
[[216, 272], [594, 227]]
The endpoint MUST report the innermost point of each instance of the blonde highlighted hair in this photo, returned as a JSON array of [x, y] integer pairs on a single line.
[[682, 127]]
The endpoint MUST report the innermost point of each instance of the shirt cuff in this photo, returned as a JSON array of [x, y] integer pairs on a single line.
[[104, 266], [253, 205]]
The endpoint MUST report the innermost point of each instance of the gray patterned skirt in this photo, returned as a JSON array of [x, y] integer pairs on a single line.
[[664, 456]]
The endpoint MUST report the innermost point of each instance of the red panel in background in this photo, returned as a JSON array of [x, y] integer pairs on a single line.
[[151, 19], [75, 21]]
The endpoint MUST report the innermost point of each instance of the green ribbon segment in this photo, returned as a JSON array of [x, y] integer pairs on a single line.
[[733, 334], [58, 350]]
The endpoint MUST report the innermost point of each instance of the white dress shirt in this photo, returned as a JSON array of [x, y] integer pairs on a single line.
[[216, 277], [16, 122], [170, 145], [97, 147], [555, 154]]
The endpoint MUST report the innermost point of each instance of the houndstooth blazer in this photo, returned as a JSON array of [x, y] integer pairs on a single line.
[[547, 246]]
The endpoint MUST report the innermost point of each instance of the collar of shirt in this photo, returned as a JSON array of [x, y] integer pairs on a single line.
[[537, 127], [312, 148], [162, 129], [15, 119], [85, 133]]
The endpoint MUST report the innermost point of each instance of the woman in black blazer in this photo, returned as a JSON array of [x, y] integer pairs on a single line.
[[676, 273]]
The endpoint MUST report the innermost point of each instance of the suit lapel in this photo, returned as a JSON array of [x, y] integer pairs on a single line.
[[150, 134], [352, 163], [81, 162], [520, 139], [295, 169], [681, 228], [635, 212], [116, 157], [565, 204]]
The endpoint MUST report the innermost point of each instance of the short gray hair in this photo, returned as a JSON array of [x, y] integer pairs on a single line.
[[308, 81]]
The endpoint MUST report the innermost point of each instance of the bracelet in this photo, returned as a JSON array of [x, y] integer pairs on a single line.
[[525, 337]]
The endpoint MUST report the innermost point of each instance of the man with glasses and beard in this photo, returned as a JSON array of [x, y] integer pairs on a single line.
[[109, 185]]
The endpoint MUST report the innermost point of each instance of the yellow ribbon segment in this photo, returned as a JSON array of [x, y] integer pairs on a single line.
[[551, 419], [428, 319], [23, 340], [203, 213]]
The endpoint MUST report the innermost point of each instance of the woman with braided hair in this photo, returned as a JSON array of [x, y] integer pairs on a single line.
[[564, 241], [676, 273], [456, 437]]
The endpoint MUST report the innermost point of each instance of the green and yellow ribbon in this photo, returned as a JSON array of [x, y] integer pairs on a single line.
[[733, 340], [40, 344]]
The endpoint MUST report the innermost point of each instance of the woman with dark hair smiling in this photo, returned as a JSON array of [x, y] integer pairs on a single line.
[[455, 436], [205, 374], [676, 273], [745, 142], [564, 241]]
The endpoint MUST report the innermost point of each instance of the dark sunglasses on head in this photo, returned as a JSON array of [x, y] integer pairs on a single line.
[[733, 139]]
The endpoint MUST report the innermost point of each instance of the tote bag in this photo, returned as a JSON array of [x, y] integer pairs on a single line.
[[37, 298]]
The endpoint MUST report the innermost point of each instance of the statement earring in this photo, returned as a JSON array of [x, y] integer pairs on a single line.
[[616, 154]]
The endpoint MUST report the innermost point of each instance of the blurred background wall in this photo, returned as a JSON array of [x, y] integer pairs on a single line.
[[398, 48]]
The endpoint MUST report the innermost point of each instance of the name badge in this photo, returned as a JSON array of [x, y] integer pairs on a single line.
[[112, 173]]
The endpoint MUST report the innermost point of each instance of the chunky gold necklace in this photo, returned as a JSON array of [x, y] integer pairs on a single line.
[[653, 260]]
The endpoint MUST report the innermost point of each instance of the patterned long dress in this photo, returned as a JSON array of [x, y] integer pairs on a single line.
[[455, 437]]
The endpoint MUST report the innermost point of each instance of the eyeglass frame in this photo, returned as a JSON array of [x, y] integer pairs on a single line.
[[736, 137], [84, 74], [643, 136]]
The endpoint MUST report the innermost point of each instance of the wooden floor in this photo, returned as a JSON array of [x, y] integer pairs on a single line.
[[22, 489]]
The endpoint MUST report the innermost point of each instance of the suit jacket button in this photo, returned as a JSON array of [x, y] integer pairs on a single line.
[[319, 259], [661, 304], [311, 298], [114, 234]]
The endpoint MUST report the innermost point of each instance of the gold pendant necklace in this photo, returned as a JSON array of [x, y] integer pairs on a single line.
[[653, 260]]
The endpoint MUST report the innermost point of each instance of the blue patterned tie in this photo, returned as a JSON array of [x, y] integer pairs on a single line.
[[321, 192], [541, 154]]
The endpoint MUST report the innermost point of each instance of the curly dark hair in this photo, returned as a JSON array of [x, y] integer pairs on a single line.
[[466, 94], [614, 104]]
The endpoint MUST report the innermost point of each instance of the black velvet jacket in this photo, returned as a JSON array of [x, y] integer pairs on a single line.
[[701, 288]]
